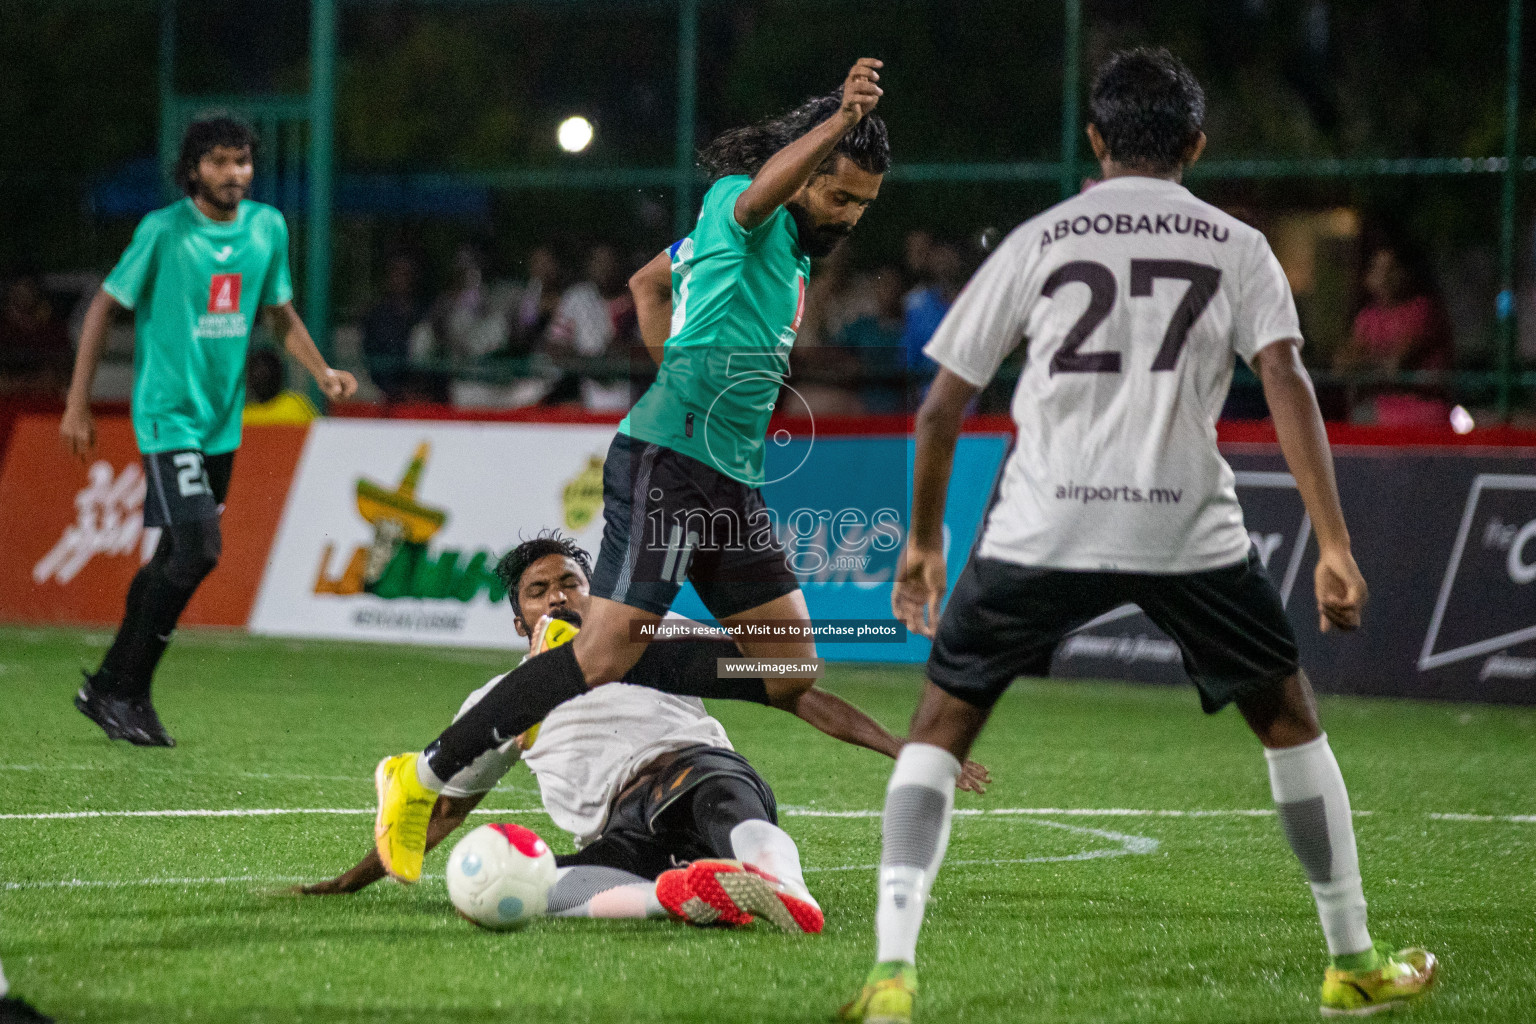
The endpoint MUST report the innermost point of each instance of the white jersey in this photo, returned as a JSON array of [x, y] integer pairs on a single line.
[[591, 747], [1133, 299]]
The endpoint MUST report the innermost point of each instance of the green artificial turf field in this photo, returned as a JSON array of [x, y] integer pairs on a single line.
[[1039, 916]]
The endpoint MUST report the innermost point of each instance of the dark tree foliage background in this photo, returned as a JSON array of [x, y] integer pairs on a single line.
[[481, 86]]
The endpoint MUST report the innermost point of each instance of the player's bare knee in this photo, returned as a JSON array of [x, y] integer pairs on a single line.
[[946, 721], [1283, 715]]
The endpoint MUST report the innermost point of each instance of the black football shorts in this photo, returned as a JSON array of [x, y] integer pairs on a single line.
[[1005, 621], [669, 518], [185, 486]]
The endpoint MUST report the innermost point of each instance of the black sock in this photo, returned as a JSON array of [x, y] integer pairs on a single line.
[[155, 604], [687, 668], [521, 700], [158, 595], [109, 678]]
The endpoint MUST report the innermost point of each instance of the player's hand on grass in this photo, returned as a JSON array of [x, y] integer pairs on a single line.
[[78, 431], [974, 778], [919, 589], [1341, 590], [337, 385], [860, 93]]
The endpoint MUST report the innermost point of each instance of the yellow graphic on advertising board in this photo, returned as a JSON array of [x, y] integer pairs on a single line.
[[398, 563]]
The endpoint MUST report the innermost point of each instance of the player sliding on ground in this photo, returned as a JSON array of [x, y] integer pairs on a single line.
[[644, 781], [1133, 299], [682, 495], [196, 275]]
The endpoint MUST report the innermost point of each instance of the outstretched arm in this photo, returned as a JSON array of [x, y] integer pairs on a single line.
[[843, 721], [1341, 590], [792, 166], [447, 814], [291, 333]]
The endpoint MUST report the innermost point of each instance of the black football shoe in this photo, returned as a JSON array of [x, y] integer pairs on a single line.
[[113, 714], [146, 725], [14, 1010]]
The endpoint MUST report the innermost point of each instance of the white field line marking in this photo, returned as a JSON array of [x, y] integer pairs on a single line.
[[1128, 845], [1523, 819]]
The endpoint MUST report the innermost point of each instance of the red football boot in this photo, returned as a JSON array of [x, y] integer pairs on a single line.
[[675, 894], [733, 887]]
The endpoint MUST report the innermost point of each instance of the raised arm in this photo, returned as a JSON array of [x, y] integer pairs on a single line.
[[920, 576], [1341, 590], [651, 287], [841, 720], [792, 166], [291, 333], [77, 428]]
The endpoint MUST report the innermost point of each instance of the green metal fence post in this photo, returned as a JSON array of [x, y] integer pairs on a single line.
[[322, 103], [1506, 301], [166, 75], [1070, 72], [687, 101]]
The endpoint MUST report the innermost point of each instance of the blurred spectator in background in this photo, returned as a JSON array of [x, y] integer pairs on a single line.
[[387, 328], [539, 299], [592, 319], [35, 351], [916, 249], [1403, 327], [875, 338], [927, 303], [467, 322], [267, 401]]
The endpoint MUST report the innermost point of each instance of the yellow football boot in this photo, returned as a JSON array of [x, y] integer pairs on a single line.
[[886, 997], [1400, 978], [405, 807]]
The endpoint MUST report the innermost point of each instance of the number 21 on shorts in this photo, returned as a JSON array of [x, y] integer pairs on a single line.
[[191, 477]]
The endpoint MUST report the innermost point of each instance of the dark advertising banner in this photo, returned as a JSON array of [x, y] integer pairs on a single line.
[[1447, 542]]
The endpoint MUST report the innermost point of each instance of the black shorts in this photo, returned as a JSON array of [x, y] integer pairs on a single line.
[[669, 518], [185, 486], [652, 829], [1005, 620]]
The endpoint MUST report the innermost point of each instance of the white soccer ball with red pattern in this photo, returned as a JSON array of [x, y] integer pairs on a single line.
[[499, 876]]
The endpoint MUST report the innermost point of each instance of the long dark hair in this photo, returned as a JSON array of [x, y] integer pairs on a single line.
[[745, 150]]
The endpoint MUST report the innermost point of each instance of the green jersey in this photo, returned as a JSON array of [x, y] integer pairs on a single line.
[[737, 299], [195, 285]]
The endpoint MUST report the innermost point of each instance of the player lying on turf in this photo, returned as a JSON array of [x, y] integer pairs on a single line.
[[682, 482], [644, 781], [1133, 299]]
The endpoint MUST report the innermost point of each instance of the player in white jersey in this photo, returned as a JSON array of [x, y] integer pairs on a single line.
[[668, 819], [1133, 301]]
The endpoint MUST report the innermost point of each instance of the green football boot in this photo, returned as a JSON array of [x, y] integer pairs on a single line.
[[886, 997], [1399, 979]]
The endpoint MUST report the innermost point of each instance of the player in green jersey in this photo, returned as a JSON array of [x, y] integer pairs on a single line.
[[682, 481], [196, 275]]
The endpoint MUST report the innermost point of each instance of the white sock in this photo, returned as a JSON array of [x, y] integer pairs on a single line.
[[5, 986], [769, 847], [1314, 814], [915, 826], [427, 777]]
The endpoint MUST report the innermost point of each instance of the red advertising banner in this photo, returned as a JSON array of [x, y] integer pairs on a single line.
[[74, 532]]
